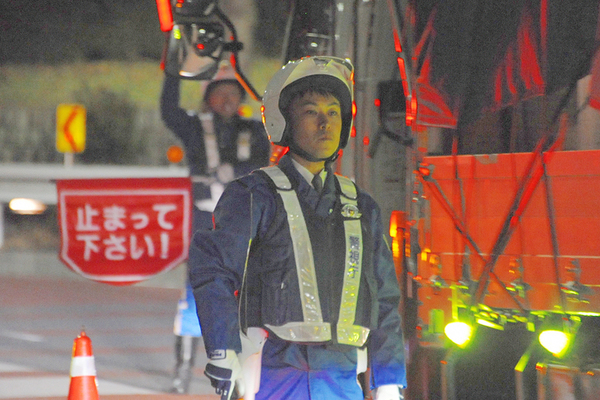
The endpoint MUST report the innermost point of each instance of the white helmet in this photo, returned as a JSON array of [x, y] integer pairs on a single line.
[[332, 74], [225, 74]]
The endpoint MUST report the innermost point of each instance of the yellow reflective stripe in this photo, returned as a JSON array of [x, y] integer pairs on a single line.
[[303, 254], [353, 335], [303, 331], [347, 332]]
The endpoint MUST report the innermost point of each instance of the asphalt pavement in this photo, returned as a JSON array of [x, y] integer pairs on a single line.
[[131, 328]]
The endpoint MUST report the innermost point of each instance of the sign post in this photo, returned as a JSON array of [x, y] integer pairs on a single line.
[[123, 231]]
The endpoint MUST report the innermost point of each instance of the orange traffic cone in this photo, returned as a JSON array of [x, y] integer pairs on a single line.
[[83, 370]]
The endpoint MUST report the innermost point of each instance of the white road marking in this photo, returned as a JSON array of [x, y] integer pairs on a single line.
[[44, 386], [28, 337], [7, 367]]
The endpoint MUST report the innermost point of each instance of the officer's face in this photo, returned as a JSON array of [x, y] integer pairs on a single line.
[[316, 123], [225, 99]]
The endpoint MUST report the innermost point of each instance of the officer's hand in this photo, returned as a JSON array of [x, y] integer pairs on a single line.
[[225, 374], [388, 392]]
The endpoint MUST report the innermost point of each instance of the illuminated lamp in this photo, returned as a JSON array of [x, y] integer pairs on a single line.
[[555, 341], [165, 15], [177, 33], [245, 111], [397, 222], [459, 332], [489, 324], [175, 154], [26, 206]]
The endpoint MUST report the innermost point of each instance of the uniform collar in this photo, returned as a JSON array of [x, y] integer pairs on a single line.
[[306, 174], [323, 203]]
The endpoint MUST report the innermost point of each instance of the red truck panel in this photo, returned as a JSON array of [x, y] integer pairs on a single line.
[[489, 185]]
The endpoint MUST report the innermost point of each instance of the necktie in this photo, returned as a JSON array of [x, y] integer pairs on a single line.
[[317, 183]]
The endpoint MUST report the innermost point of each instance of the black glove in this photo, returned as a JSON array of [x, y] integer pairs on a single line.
[[225, 374]]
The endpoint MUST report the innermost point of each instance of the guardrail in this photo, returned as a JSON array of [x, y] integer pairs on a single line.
[[36, 181]]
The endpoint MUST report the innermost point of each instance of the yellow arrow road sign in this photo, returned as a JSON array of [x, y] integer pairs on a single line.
[[70, 128]]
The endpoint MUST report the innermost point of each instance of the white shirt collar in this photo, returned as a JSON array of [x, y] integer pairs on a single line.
[[306, 174]]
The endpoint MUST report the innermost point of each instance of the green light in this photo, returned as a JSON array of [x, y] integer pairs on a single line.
[[176, 33], [490, 324], [555, 342], [458, 332]]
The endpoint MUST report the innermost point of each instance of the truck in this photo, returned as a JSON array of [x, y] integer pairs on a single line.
[[476, 129]]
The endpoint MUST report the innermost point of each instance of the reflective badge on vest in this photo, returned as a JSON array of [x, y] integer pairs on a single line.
[[351, 211]]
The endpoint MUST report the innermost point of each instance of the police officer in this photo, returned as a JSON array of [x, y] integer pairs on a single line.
[[299, 253], [219, 146]]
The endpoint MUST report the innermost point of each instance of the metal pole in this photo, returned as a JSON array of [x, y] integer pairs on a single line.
[[68, 160], [1, 225]]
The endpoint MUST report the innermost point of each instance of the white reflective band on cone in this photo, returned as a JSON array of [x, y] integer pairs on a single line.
[[83, 366]]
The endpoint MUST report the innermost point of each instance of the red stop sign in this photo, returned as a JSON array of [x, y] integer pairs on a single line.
[[123, 231]]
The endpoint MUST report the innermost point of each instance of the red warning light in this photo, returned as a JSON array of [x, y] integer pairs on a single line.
[[165, 15], [402, 68], [424, 171], [397, 44]]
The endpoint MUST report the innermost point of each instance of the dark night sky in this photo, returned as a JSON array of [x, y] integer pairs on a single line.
[[59, 31]]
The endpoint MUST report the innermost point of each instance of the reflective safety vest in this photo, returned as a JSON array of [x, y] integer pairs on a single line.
[[217, 177], [213, 159], [312, 327]]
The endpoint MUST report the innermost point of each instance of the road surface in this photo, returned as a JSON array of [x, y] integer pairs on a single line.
[[130, 328]]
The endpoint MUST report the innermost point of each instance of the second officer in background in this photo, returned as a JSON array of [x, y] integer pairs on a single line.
[[219, 146]]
